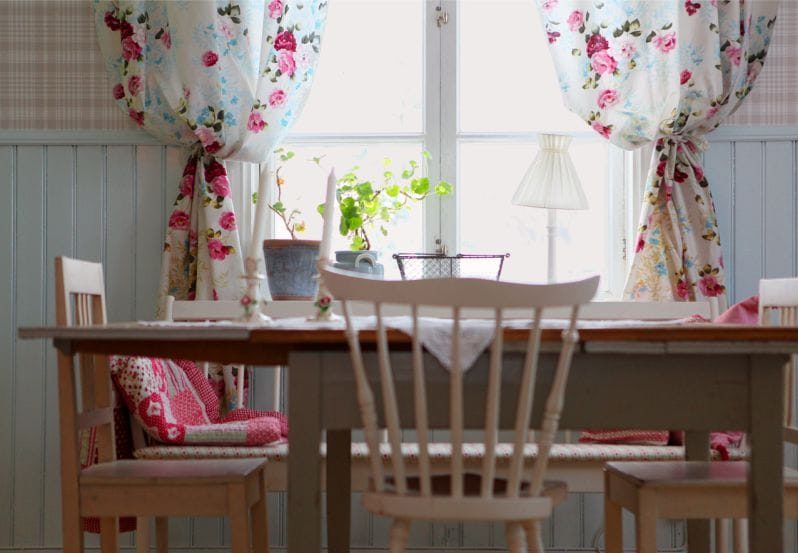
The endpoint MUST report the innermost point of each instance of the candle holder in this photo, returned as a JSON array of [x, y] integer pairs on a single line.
[[324, 299], [251, 301]]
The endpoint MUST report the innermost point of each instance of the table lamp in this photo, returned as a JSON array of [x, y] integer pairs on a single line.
[[551, 182]]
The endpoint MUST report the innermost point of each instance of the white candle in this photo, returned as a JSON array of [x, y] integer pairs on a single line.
[[329, 217], [261, 206]]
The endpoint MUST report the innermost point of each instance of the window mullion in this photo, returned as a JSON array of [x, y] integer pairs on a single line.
[[432, 121], [449, 225]]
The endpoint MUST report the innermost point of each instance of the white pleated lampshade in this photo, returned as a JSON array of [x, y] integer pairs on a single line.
[[551, 180]]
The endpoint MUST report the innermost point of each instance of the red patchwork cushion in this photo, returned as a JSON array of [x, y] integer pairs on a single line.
[[174, 403], [615, 436]]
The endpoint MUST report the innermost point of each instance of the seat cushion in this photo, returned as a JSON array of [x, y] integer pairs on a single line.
[[440, 452]]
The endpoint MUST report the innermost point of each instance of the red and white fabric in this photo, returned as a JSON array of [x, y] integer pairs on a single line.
[[175, 404]]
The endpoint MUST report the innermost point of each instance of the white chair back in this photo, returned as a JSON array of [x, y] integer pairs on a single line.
[[458, 294]]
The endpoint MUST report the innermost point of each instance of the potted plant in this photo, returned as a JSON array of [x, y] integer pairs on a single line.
[[290, 263], [366, 207]]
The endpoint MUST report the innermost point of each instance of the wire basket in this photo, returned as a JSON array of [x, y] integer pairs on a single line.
[[415, 266]]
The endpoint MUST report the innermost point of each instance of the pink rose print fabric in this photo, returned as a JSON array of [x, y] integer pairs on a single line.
[[175, 404], [226, 81], [641, 72]]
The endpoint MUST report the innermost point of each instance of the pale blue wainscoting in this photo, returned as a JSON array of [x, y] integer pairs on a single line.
[[105, 196]]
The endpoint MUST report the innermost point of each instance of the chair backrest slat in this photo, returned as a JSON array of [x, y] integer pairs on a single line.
[[456, 407], [523, 412], [492, 407], [554, 403], [365, 399], [420, 399], [389, 404], [457, 295]]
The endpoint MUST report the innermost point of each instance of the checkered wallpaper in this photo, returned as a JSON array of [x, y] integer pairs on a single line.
[[52, 75]]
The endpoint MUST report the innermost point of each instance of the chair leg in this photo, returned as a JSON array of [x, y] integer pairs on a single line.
[[515, 537], [534, 537], [109, 535], [239, 518], [161, 534], [646, 524], [613, 520], [721, 535], [72, 533], [142, 535], [260, 518], [740, 527], [400, 531]]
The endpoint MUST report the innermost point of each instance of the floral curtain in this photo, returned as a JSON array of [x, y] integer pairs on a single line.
[[225, 79], [667, 72]]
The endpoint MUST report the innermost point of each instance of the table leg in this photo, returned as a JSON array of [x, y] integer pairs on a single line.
[[72, 530], [339, 481], [304, 458], [696, 445], [766, 472]]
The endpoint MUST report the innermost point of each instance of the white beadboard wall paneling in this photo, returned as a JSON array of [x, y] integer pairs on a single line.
[[29, 414], [719, 170], [60, 201], [749, 235], [8, 329]]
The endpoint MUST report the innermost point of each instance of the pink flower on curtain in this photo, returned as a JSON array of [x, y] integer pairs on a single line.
[[733, 53], [228, 220], [607, 98], [285, 41], [275, 9], [217, 249], [210, 58], [137, 116], [685, 77], [277, 98], [691, 7], [130, 49], [286, 63], [596, 43], [603, 63], [179, 220], [255, 123], [134, 84], [665, 43], [603, 130], [575, 20], [119, 91]]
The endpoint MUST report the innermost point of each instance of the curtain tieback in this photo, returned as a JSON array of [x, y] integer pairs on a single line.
[[694, 143]]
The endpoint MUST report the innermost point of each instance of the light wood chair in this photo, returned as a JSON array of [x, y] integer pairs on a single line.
[[698, 489], [114, 488], [520, 497]]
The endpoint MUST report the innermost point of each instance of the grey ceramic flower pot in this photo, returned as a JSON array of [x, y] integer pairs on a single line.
[[290, 268], [362, 261]]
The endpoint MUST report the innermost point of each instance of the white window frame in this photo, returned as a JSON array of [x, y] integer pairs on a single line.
[[440, 136]]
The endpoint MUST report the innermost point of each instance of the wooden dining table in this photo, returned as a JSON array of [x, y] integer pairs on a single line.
[[694, 377]]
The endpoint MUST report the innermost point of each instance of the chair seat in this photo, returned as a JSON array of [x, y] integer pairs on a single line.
[[440, 451], [685, 474], [138, 472], [441, 506]]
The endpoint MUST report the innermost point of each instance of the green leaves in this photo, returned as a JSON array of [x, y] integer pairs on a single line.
[[366, 205]]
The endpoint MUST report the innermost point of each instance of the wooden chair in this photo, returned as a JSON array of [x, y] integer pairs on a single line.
[[519, 497], [698, 489], [114, 488]]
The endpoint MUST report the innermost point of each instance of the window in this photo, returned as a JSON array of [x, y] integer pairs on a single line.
[[395, 79]]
